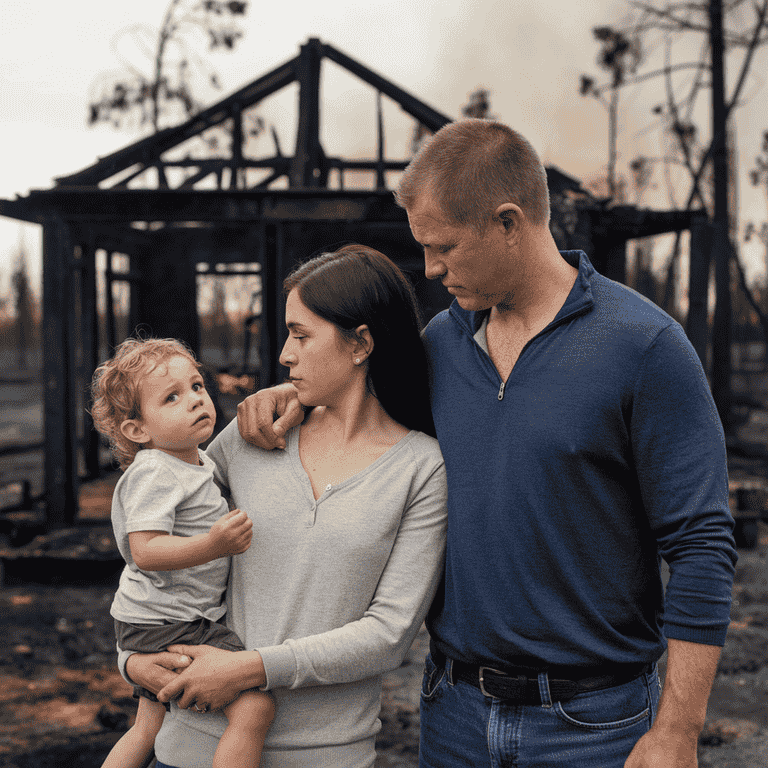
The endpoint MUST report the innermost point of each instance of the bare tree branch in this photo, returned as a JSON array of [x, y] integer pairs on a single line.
[[667, 20], [677, 23], [749, 295], [683, 142], [150, 95], [599, 90], [761, 12]]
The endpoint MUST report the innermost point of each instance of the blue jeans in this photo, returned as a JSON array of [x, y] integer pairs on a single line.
[[462, 727]]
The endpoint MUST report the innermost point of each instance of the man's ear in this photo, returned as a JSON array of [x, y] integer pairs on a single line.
[[134, 431], [510, 216]]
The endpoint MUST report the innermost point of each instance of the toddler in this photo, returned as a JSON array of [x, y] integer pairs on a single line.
[[174, 530]]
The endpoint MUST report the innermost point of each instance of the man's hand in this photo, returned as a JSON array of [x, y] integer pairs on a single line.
[[231, 534], [664, 750], [256, 416], [153, 671], [215, 677], [673, 738]]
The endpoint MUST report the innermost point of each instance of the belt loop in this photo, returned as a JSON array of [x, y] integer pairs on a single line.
[[449, 671], [546, 698]]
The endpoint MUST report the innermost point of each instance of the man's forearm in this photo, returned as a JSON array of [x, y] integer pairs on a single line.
[[256, 416], [672, 740], [691, 669]]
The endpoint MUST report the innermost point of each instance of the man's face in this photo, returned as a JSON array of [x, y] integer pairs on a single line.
[[475, 268]]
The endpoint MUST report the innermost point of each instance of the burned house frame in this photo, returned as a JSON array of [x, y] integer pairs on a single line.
[[169, 212]]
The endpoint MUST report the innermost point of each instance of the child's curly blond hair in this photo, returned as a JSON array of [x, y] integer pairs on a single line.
[[115, 389]]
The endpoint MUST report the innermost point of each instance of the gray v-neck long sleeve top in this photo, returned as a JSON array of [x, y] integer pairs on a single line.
[[331, 593]]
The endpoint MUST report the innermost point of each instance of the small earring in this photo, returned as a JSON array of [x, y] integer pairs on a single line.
[[357, 361]]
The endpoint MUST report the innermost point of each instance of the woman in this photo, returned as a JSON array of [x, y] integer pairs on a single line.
[[348, 530]]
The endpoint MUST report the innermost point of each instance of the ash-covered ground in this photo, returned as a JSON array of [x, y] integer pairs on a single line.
[[63, 703]]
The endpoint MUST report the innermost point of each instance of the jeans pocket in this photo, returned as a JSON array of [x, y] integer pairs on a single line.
[[621, 706], [433, 677]]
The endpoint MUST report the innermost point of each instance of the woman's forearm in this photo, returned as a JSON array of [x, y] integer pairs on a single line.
[[251, 672]]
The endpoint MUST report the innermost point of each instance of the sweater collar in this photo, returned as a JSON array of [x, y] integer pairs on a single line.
[[579, 300]]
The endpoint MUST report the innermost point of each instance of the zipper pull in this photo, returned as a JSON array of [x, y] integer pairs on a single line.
[[501, 390]]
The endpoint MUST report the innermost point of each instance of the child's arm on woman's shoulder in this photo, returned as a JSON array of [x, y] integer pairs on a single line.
[[160, 551]]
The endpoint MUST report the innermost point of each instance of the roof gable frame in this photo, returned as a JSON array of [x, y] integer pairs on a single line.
[[308, 167]]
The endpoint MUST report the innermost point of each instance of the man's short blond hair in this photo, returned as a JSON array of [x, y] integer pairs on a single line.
[[470, 167]]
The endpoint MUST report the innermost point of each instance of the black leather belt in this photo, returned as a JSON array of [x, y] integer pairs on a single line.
[[519, 687]]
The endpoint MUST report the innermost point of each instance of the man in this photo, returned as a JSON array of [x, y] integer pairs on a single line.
[[581, 445]]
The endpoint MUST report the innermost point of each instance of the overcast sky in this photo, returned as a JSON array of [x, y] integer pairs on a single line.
[[528, 53]]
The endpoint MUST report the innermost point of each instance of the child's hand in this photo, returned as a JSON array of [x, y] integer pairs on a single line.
[[231, 534]]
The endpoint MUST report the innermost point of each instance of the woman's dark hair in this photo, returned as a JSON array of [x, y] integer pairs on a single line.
[[357, 285]]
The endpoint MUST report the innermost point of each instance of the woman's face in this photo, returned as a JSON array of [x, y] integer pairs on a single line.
[[321, 361]]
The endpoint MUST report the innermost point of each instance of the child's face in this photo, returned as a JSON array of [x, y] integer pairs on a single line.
[[177, 413]]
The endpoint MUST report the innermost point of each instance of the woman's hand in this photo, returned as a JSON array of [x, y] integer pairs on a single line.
[[153, 671], [256, 416], [214, 678]]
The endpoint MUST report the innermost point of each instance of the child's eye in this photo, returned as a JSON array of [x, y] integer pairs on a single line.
[[172, 398], [198, 386]]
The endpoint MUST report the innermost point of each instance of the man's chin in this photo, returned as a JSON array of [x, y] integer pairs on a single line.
[[473, 303]]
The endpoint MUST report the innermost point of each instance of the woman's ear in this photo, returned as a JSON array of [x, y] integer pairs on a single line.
[[363, 345], [134, 431]]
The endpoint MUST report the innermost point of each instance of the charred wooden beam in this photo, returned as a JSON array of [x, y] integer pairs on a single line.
[[190, 181], [112, 237], [629, 222], [109, 320], [60, 459], [427, 116], [380, 178], [123, 183], [696, 325], [131, 205], [19, 210], [148, 151], [161, 177], [274, 176], [90, 343], [305, 167], [271, 255], [236, 163], [279, 163]]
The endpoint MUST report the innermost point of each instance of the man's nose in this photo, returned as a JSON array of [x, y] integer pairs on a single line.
[[433, 267]]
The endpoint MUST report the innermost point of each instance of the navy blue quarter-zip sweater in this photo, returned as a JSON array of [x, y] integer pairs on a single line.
[[600, 454]]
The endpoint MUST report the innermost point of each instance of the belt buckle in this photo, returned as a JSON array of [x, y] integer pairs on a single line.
[[481, 673]]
